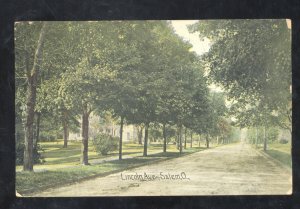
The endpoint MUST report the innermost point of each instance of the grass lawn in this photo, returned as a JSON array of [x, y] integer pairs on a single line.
[[63, 164], [281, 152], [33, 182]]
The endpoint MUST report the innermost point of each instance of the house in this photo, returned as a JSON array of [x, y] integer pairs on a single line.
[[285, 134], [99, 125]]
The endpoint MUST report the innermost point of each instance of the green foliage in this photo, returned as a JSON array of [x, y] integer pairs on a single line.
[[254, 134], [272, 134], [170, 133], [37, 153], [155, 134], [50, 129], [234, 135], [138, 70], [104, 143], [251, 59], [251, 136]]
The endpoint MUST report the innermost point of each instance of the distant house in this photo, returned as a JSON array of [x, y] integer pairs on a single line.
[[96, 125], [285, 134]]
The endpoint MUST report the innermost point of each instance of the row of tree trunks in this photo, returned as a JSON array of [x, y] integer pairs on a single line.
[[191, 139], [265, 138], [37, 129], [32, 77]]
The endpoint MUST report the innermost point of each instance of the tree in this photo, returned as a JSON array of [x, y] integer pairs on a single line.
[[224, 129], [88, 81], [206, 120], [191, 145], [59, 56], [122, 98], [32, 68], [217, 111], [251, 60], [146, 78], [180, 78], [56, 57]]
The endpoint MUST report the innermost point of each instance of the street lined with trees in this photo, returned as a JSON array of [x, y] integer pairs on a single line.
[[142, 73]]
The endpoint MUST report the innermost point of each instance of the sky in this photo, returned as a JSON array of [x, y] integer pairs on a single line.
[[180, 27], [200, 47]]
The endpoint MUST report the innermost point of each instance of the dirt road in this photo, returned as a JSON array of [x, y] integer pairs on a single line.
[[227, 170]]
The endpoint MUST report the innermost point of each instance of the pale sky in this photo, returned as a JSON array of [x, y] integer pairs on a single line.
[[199, 46]]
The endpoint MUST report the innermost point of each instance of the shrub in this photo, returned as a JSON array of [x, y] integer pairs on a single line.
[[37, 157], [283, 141], [105, 143]]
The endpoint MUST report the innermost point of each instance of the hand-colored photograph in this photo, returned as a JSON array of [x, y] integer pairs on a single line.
[[153, 108]]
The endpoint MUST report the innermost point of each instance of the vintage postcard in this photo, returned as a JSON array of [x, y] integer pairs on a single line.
[[153, 108]]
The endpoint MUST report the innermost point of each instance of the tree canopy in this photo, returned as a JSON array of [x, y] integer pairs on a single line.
[[251, 60], [143, 73], [140, 71]]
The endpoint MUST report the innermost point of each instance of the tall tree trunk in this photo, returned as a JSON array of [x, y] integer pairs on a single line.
[[32, 77], [191, 139], [146, 139], [65, 127], [28, 151], [65, 135], [38, 119], [207, 141], [140, 134], [177, 137], [85, 136], [165, 138], [265, 139], [180, 139], [121, 138], [256, 139], [185, 130], [199, 140]]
